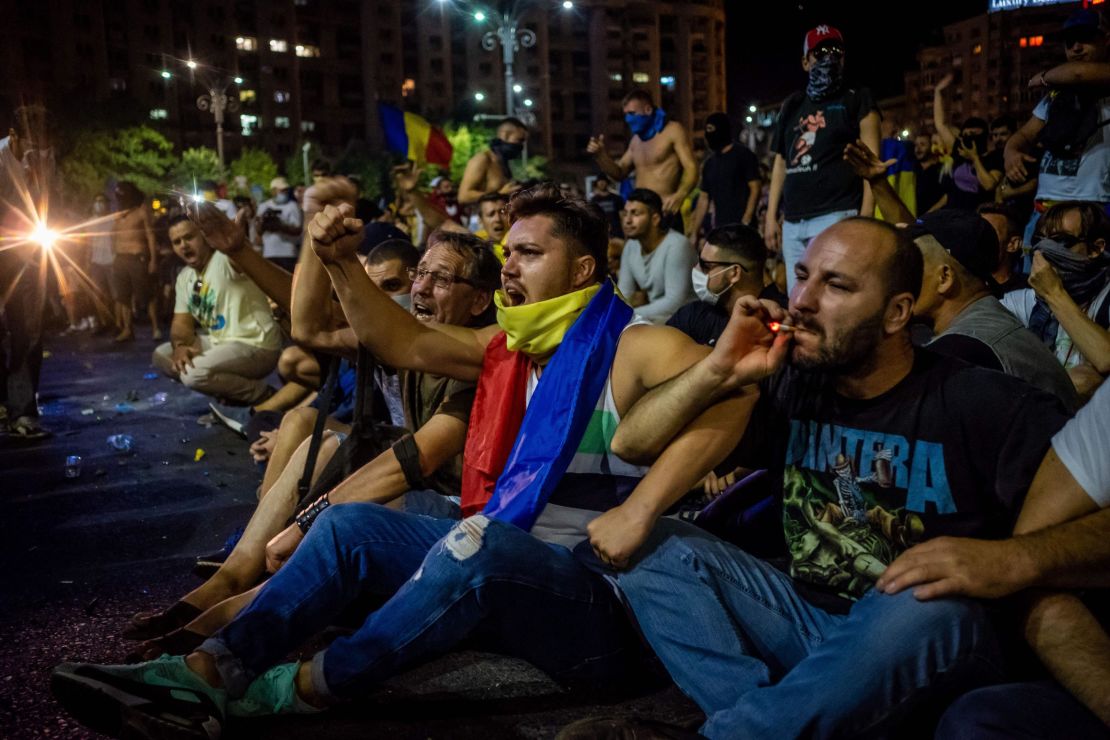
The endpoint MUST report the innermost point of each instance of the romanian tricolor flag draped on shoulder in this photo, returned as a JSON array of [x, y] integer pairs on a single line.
[[413, 136]]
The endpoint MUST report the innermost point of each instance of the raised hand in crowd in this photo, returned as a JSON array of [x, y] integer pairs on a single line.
[[221, 233], [1043, 278], [329, 191], [335, 233]]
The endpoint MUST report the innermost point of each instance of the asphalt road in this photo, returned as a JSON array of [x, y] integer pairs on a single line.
[[81, 555]]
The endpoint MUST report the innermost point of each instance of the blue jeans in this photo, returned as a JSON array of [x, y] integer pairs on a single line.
[[761, 661], [796, 236], [479, 579], [1041, 709]]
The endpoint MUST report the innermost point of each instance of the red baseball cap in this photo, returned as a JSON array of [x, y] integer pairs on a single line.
[[820, 35]]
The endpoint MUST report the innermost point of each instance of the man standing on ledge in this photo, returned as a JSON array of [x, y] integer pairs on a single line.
[[659, 152]]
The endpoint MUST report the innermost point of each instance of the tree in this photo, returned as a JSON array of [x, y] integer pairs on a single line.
[[197, 165], [294, 165], [467, 139], [256, 166], [370, 167], [138, 153]]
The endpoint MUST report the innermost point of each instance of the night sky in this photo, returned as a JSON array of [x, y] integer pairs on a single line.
[[881, 40]]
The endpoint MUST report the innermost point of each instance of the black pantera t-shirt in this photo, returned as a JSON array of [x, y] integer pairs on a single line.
[[950, 450], [811, 137]]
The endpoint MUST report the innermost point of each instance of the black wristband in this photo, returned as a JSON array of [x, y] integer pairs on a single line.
[[408, 455], [305, 519]]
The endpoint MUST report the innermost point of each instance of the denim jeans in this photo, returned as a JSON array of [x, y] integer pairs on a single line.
[[761, 661], [796, 236], [479, 579]]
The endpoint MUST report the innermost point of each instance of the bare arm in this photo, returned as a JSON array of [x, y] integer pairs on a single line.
[[940, 114], [988, 179], [1092, 340], [772, 233], [1078, 73], [701, 207], [745, 353], [688, 161], [755, 187], [614, 169], [868, 166], [390, 332], [316, 323], [470, 188], [676, 284], [1019, 149], [230, 237], [869, 134], [151, 244], [183, 338], [1073, 646], [1058, 543]]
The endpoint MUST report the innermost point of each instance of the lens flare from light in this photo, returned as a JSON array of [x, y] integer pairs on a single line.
[[44, 236]]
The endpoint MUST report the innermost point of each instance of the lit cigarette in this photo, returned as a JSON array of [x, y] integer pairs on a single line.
[[777, 327]]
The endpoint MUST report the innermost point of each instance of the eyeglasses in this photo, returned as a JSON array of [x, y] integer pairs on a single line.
[[828, 50], [706, 265], [1066, 240], [443, 280]]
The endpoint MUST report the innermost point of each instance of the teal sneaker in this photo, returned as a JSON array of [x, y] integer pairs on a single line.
[[274, 692], [159, 699]]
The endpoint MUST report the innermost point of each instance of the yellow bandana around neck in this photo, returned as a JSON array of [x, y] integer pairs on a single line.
[[537, 329]]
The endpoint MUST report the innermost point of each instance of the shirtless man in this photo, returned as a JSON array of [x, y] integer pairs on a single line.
[[660, 153], [136, 261], [488, 170]]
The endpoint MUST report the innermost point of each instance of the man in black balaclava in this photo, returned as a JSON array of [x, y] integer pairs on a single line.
[[729, 178], [488, 171], [810, 179]]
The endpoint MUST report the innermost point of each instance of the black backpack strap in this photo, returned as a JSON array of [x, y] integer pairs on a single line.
[[322, 409]]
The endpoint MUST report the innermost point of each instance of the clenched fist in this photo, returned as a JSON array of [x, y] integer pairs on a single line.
[[597, 144], [335, 234]]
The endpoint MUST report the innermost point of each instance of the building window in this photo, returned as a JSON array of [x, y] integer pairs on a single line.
[[307, 50], [159, 114], [117, 84], [281, 96], [249, 124], [307, 126], [667, 81], [279, 46], [616, 76], [1025, 41], [281, 122], [641, 77], [408, 87], [246, 43], [977, 49], [247, 96]]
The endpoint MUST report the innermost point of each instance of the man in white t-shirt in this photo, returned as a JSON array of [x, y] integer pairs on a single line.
[[656, 262], [281, 222], [223, 339], [1085, 175]]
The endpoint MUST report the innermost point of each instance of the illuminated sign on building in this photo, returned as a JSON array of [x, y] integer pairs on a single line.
[[997, 5]]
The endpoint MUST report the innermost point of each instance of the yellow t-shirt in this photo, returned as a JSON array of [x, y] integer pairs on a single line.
[[226, 305]]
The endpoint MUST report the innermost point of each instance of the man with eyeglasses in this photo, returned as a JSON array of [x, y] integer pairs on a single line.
[[224, 340], [1080, 172], [730, 266], [810, 179]]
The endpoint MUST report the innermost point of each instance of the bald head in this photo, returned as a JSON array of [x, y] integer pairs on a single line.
[[877, 250]]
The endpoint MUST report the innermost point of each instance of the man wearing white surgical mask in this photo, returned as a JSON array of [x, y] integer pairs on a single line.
[[730, 265], [281, 222]]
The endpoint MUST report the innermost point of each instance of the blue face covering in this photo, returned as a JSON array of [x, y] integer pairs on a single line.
[[646, 125]]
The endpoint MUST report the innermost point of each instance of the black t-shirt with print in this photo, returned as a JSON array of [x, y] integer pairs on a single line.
[[811, 137], [724, 178], [950, 450]]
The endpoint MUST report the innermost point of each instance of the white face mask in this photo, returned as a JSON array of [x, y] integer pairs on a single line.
[[701, 286], [404, 301]]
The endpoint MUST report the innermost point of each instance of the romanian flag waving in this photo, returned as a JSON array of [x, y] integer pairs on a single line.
[[414, 137]]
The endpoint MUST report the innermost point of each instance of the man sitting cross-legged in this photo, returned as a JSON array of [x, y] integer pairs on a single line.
[[553, 382], [454, 284]]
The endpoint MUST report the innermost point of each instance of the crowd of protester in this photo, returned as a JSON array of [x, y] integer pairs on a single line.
[[822, 439]]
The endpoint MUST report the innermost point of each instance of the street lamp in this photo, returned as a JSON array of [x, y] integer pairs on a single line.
[[216, 101], [479, 96]]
